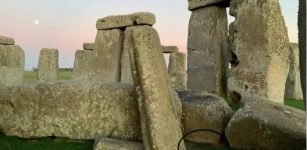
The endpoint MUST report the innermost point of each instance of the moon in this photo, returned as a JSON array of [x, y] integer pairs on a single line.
[[36, 22]]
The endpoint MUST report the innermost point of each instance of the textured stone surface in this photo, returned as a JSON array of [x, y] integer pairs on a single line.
[[6, 40], [169, 49], [75, 110], [195, 4], [115, 144], [204, 111], [88, 46], [83, 65], [120, 21], [177, 71], [207, 51], [107, 55], [158, 104], [293, 84], [47, 69], [259, 48], [126, 72], [12, 61], [302, 44], [262, 124]]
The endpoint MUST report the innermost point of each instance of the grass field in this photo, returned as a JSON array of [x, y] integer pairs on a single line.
[[13, 143]]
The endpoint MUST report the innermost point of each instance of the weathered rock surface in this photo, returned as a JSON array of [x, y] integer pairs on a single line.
[[12, 61], [302, 44], [6, 40], [107, 55], [158, 104], [259, 48], [115, 144], [177, 71], [126, 72], [195, 4], [48, 65], [170, 49], [262, 124], [75, 110], [88, 46], [83, 65], [207, 50], [204, 111], [120, 21], [293, 84]]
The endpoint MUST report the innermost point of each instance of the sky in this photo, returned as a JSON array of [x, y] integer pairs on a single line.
[[67, 24]]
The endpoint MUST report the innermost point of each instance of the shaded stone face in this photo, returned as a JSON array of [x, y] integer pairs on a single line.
[[293, 84], [103, 143], [107, 55], [83, 65], [6, 40], [48, 66], [207, 52], [122, 21], [302, 44], [158, 104], [12, 61], [177, 71], [262, 124], [126, 72], [74, 109], [88, 46], [259, 50]]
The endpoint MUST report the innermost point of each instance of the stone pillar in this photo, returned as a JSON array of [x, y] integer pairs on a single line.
[[207, 47], [293, 84], [302, 44], [88, 46], [83, 65], [12, 61], [259, 47], [48, 66], [177, 70]]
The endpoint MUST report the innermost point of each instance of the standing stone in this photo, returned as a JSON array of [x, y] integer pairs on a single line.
[[107, 55], [170, 49], [293, 84], [88, 46], [260, 47], [48, 66], [157, 103], [302, 44], [12, 61], [177, 71], [126, 73], [83, 65], [6, 40], [207, 51]]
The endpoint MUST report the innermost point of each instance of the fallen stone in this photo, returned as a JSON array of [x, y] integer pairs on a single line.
[[204, 111], [158, 105], [107, 55], [196, 4], [6, 40], [260, 49], [120, 21], [74, 110], [170, 49], [177, 71], [83, 65], [262, 124], [207, 50], [126, 72], [115, 144], [302, 44], [12, 62], [293, 83], [88, 46], [48, 66]]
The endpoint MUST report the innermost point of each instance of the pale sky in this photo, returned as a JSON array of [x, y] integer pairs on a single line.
[[67, 24]]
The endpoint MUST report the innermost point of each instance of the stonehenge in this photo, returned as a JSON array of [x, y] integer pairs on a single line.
[[293, 83], [262, 40], [177, 70], [83, 65], [207, 47], [12, 62], [47, 69]]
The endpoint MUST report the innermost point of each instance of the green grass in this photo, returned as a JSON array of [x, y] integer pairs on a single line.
[[299, 104], [30, 76]]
